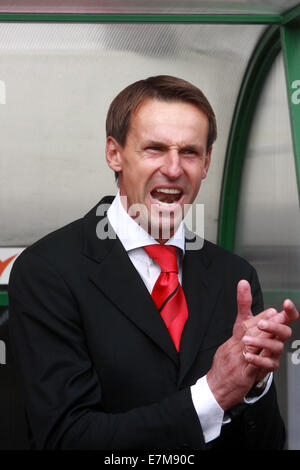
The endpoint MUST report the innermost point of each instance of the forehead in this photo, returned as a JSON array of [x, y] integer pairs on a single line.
[[154, 118]]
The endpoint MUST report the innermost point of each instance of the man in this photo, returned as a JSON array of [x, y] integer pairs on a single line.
[[128, 341]]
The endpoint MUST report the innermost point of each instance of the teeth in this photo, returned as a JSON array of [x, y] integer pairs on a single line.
[[168, 190], [163, 203]]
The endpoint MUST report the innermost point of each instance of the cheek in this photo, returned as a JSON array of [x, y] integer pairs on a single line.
[[137, 182], [195, 176], [144, 175]]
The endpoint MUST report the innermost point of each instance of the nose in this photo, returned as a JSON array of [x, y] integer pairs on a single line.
[[172, 165]]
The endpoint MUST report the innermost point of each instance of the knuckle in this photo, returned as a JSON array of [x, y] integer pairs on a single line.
[[280, 348], [285, 332]]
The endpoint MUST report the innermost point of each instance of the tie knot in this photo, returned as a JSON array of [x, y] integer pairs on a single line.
[[165, 257]]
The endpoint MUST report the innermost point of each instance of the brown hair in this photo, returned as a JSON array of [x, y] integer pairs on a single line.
[[161, 87]]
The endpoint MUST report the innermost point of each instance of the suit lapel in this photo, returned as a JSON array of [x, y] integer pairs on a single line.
[[116, 277], [201, 291]]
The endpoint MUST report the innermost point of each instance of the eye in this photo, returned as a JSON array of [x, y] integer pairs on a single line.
[[189, 152], [154, 149]]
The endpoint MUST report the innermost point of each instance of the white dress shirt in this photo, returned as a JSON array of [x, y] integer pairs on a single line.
[[134, 238]]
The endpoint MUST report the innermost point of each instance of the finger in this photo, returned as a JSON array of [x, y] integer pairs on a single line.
[[272, 347], [274, 316], [254, 331], [290, 311], [288, 315], [283, 332], [270, 313], [281, 317], [251, 349], [251, 328], [244, 300], [268, 364], [264, 315]]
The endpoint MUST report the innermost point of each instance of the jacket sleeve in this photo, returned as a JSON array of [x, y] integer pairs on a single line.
[[61, 389]]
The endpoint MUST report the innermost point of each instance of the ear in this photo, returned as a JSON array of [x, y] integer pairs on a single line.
[[207, 162], [113, 154]]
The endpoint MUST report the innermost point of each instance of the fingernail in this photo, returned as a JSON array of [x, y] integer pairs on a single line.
[[262, 324], [288, 304]]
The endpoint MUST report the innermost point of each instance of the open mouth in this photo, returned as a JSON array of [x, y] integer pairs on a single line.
[[166, 196]]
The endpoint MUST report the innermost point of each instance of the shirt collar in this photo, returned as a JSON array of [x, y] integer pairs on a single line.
[[133, 235]]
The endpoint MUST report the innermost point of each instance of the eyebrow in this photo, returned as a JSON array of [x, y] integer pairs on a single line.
[[156, 143]]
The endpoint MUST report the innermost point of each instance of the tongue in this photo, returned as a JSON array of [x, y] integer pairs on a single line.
[[164, 197]]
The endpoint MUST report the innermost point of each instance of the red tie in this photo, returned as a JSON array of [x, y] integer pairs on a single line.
[[167, 293]]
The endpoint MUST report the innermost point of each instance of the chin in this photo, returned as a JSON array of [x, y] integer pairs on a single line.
[[163, 227]]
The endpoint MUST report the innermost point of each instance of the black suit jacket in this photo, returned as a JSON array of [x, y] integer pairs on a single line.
[[97, 367]]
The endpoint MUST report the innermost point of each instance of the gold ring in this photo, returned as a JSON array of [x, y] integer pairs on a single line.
[[244, 352]]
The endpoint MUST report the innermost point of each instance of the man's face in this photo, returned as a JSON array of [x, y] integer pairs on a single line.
[[163, 162]]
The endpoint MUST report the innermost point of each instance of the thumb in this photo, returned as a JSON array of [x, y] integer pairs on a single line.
[[244, 302]]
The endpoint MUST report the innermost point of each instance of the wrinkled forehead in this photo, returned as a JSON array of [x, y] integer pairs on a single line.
[[169, 122]]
